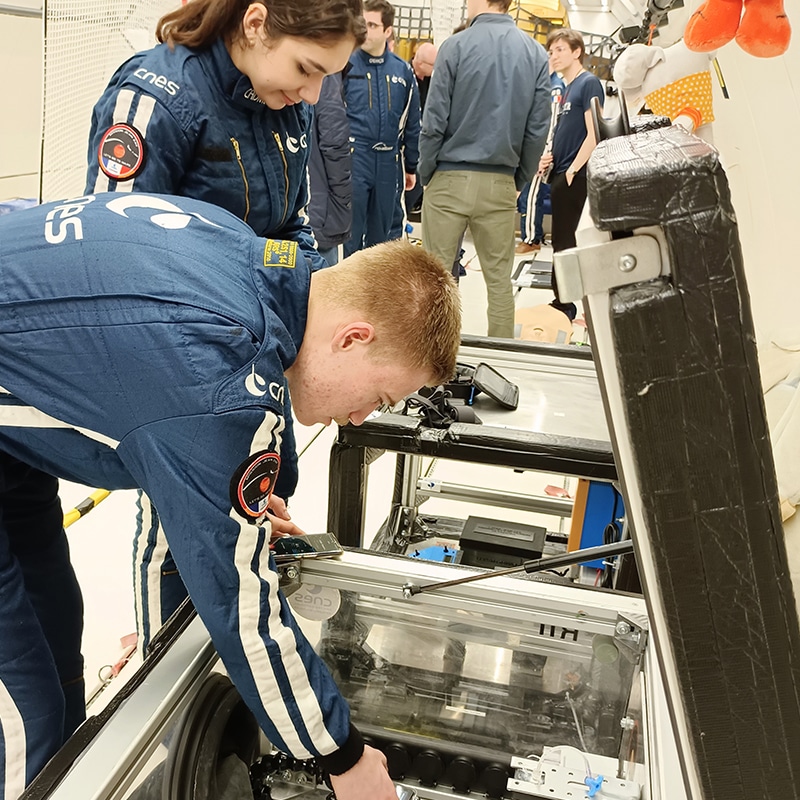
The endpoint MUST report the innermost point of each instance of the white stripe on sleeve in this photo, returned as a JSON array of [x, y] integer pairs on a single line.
[[20, 416], [247, 552], [14, 744], [122, 108], [141, 120], [151, 584]]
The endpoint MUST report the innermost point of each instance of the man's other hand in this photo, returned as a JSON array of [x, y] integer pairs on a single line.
[[367, 780], [411, 181]]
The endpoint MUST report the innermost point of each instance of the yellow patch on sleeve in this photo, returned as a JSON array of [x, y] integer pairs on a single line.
[[280, 253]]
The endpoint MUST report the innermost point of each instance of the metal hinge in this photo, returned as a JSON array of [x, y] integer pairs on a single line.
[[582, 271]]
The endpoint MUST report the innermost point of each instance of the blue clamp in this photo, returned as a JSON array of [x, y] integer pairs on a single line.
[[594, 784]]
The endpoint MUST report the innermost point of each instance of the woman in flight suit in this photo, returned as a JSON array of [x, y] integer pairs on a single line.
[[220, 111]]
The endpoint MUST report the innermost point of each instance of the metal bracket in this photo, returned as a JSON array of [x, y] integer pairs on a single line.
[[582, 271], [401, 526], [548, 779], [289, 579], [631, 634]]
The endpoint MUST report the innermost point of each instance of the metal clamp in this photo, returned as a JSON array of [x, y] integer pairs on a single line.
[[631, 634], [582, 271]]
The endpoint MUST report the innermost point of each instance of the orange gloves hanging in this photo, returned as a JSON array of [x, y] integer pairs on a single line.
[[763, 29]]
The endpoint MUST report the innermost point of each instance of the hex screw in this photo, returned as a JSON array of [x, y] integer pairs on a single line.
[[623, 628]]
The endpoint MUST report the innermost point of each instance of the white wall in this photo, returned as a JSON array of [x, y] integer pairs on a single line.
[[20, 105], [757, 132]]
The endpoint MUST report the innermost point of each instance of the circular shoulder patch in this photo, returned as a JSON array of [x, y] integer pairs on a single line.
[[252, 484], [121, 152]]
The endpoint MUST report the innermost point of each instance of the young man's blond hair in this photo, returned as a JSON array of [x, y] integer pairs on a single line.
[[410, 298]]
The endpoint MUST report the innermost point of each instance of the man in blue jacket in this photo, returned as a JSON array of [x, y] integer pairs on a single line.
[[383, 109], [330, 206], [144, 342], [482, 135]]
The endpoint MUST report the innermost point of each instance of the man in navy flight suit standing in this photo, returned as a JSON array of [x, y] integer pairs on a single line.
[[383, 108]]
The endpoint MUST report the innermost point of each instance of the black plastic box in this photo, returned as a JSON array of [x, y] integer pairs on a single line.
[[498, 543]]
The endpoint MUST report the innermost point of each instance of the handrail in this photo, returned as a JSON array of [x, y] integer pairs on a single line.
[[20, 11]]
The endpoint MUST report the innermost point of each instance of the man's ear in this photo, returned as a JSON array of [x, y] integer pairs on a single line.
[[253, 23], [387, 32], [352, 334]]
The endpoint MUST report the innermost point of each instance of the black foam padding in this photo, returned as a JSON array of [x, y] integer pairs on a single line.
[[648, 122], [687, 365]]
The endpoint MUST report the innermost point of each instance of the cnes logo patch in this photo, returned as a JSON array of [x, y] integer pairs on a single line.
[[64, 220]]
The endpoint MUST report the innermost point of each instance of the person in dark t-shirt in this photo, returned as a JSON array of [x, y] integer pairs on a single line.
[[573, 141]]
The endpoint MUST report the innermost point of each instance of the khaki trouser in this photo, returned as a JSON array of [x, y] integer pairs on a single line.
[[486, 201]]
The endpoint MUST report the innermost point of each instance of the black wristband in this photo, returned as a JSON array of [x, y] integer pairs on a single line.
[[346, 757]]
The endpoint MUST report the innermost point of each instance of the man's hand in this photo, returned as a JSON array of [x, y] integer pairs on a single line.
[[544, 162], [411, 181], [367, 780], [280, 519]]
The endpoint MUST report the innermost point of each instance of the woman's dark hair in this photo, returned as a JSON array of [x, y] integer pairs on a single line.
[[198, 23]]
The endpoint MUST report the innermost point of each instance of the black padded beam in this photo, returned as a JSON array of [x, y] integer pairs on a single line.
[[698, 442]]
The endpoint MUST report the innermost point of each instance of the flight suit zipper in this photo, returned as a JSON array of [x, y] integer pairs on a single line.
[[285, 177], [388, 93], [369, 83], [244, 178]]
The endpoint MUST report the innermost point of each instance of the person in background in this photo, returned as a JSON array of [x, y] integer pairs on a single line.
[[573, 142], [220, 111], [536, 194], [330, 209], [531, 205], [422, 66], [161, 318], [482, 136], [383, 109]]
